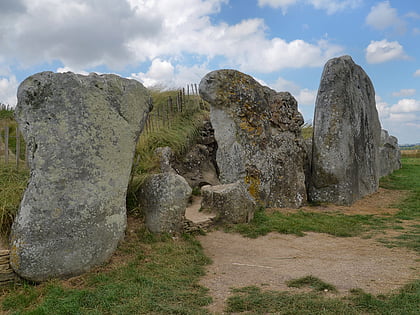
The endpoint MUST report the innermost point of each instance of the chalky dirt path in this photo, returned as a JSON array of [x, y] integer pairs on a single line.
[[271, 260]]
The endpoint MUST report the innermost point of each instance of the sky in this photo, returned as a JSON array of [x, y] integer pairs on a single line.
[[283, 44]]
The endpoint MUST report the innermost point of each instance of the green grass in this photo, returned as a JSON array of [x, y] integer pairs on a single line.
[[159, 276], [312, 282], [12, 185], [300, 222], [253, 300], [307, 131], [407, 178]]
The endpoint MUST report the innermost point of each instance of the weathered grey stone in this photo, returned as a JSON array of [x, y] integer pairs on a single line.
[[308, 162], [232, 203], [346, 135], [258, 135], [81, 132], [389, 154], [164, 198], [165, 155]]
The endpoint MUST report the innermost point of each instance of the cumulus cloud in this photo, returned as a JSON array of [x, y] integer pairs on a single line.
[[402, 117], [383, 107], [330, 6], [79, 33], [334, 6], [162, 74], [417, 73], [283, 4], [406, 105], [8, 87], [161, 71], [404, 92], [304, 96], [413, 15], [382, 51], [117, 34], [383, 16]]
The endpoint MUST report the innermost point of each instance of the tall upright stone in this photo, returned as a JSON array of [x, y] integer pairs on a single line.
[[258, 137], [346, 135], [389, 154], [81, 132]]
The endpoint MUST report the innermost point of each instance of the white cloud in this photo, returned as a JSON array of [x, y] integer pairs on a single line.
[[383, 107], [8, 88], [160, 72], [404, 92], [417, 73], [118, 34], [402, 117], [382, 51], [304, 96], [406, 105], [334, 6], [331, 6], [413, 15], [283, 4], [69, 69], [164, 75], [383, 16]]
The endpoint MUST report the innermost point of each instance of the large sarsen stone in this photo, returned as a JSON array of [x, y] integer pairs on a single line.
[[346, 138], [81, 132], [389, 154], [258, 137]]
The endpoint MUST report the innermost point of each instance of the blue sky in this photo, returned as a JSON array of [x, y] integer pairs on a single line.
[[169, 43]]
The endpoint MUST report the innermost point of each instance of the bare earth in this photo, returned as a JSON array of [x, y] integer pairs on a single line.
[[346, 263]]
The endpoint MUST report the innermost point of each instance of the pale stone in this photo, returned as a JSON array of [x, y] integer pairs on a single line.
[[232, 203], [81, 132], [346, 135], [258, 137], [164, 198], [389, 154]]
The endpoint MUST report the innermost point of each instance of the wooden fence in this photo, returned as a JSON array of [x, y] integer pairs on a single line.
[[164, 111], [12, 146]]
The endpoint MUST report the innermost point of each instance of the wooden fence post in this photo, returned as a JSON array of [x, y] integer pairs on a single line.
[[6, 144], [17, 147]]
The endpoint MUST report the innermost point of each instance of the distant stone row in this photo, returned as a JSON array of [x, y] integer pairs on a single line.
[[259, 139], [81, 133]]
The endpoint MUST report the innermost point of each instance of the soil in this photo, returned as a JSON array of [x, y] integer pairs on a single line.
[[347, 263]]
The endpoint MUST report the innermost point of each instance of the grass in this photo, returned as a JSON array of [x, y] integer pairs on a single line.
[[12, 185], [407, 178], [307, 131], [312, 282], [253, 300], [300, 222], [156, 276]]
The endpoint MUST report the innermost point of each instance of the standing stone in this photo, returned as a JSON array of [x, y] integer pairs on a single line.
[[164, 198], [389, 154], [81, 132], [346, 135], [258, 135]]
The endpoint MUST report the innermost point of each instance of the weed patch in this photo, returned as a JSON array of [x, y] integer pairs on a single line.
[[300, 222], [253, 300], [312, 282]]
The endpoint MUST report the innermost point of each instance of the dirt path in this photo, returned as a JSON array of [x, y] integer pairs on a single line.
[[346, 263]]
